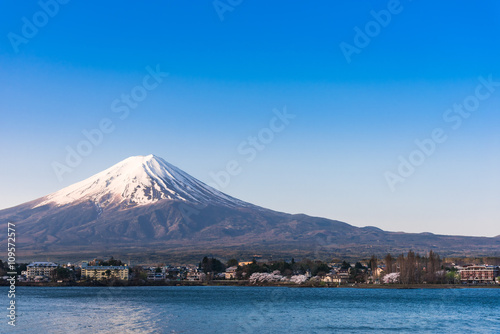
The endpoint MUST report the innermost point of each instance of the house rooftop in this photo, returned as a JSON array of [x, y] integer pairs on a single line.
[[104, 267], [42, 264]]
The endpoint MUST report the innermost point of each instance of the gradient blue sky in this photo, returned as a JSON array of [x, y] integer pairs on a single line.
[[353, 120]]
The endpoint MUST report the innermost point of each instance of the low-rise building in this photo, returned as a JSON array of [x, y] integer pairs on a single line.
[[340, 276], [154, 276], [328, 278], [477, 274], [103, 272], [40, 270], [175, 273], [340, 279], [193, 276], [230, 273], [155, 273]]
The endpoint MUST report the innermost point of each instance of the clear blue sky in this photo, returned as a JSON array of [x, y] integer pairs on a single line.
[[353, 119]]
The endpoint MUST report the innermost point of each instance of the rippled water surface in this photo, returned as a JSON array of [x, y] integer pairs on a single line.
[[252, 310]]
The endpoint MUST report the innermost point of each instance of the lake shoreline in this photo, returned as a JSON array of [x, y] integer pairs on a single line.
[[247, 284]]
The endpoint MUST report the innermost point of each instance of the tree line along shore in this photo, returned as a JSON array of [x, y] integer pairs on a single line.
[[410, 270]]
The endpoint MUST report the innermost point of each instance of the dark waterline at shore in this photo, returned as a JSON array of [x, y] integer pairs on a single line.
[[247, 284]]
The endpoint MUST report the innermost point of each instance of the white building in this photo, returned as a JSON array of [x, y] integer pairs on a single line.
[[103, 272], [230, 273], [40, 269]]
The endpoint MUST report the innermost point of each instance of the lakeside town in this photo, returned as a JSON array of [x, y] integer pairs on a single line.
[[409, 269]]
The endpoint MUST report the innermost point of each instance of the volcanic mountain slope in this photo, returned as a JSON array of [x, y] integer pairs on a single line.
[[144, 205], [137, 181]]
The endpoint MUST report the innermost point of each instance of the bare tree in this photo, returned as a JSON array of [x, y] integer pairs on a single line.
[[388, 263], [403, 272], [374, 266]]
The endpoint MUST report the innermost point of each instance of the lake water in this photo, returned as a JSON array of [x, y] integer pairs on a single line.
[[252, 310]]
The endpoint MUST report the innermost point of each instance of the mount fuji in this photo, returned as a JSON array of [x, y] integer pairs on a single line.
[[146, 208], [137, 181]]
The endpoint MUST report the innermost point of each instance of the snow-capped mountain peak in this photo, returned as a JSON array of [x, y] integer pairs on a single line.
[[140, 180]]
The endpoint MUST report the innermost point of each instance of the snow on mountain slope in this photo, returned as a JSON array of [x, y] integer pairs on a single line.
[[140, 180]]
